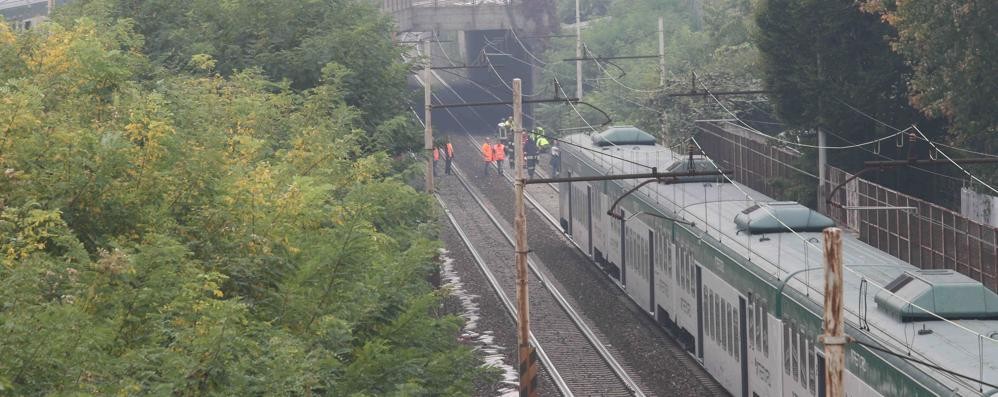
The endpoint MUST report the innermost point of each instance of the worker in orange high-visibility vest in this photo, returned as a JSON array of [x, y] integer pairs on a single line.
[[499, 153], [448, 157], [436, 158], [487, 154]]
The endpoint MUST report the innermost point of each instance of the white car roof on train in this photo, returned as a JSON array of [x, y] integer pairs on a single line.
[[715, 206]]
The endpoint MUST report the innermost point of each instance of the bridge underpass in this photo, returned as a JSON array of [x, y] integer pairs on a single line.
[[474, 32]]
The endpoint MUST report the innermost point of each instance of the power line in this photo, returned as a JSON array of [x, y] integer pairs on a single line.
[[600, 66], [972, 176], [755, 131]]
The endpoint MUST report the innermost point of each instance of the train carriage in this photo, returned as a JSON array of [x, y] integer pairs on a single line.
[[704, 259]]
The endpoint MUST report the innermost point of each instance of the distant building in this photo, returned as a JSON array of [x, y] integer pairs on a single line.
[[26, 14]]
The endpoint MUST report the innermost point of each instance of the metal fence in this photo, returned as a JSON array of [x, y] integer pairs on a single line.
[[926, 235], [753, 161], [921, 233]]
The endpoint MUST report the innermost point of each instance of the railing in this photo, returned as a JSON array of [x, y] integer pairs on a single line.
[[401, 5], [927, 235]]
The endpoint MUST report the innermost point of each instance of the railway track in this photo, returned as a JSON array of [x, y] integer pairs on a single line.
[[534, 195], [573, 356]]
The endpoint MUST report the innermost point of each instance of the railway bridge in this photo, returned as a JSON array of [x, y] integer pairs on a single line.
[[495, 36]]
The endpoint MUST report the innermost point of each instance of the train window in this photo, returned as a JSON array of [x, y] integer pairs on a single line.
[[751, 322], [737, 344], [802, 342], [724, 326], [757, 316], [709, 313], [718, 321], [765, 329], [812, 382], [728, 329], [795, 357], [690, 269], [786, 348]]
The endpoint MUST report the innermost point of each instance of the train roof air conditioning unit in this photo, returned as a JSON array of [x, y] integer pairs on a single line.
[[779, 217], [944, 292], [624, 135]]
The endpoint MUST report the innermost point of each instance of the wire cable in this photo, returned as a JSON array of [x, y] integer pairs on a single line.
[[524, 47], [755, 131], [972, 176], [601, 68]]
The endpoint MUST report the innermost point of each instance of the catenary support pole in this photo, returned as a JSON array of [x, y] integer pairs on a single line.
[[834, 338], [822, 168], [661, 51], [528, 366], [661, 73], [578, 51], [428, 113]]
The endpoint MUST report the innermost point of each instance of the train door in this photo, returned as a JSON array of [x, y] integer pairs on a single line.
[[589, 220], [651, 272], [699, 289]]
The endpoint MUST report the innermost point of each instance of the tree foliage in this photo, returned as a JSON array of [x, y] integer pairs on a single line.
[[217, 232], [951, 46], [630, 91], [289, 40], [820, 57]]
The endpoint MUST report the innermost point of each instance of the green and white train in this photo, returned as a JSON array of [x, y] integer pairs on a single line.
[[709, 261]]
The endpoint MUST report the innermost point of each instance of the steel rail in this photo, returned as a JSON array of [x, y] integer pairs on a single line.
[[575, 317], [510, 307], [686, 358], [563, 303]]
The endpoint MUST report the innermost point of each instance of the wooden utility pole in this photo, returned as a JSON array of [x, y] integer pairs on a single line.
[[428, 113], [834, 338], [528, 362]]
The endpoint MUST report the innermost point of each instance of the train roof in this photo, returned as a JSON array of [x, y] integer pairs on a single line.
[[963, 346]]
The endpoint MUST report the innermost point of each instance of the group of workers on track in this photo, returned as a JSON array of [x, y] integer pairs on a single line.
[[495, 154], [534, 143]]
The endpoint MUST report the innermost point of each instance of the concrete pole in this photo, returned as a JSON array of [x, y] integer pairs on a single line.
[[822, 169], [661, 78], [428, 115], [834, 338], [578, 51], [661, 51], [528, 366]]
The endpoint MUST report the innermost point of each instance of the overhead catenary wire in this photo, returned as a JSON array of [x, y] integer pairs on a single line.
[[755, 131], [524, 47], [930, 142], [614, 79], [466, 130], [972, 176]]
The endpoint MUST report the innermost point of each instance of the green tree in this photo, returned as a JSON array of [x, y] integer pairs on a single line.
[[205, 233], [951, 46], [287, 39]]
